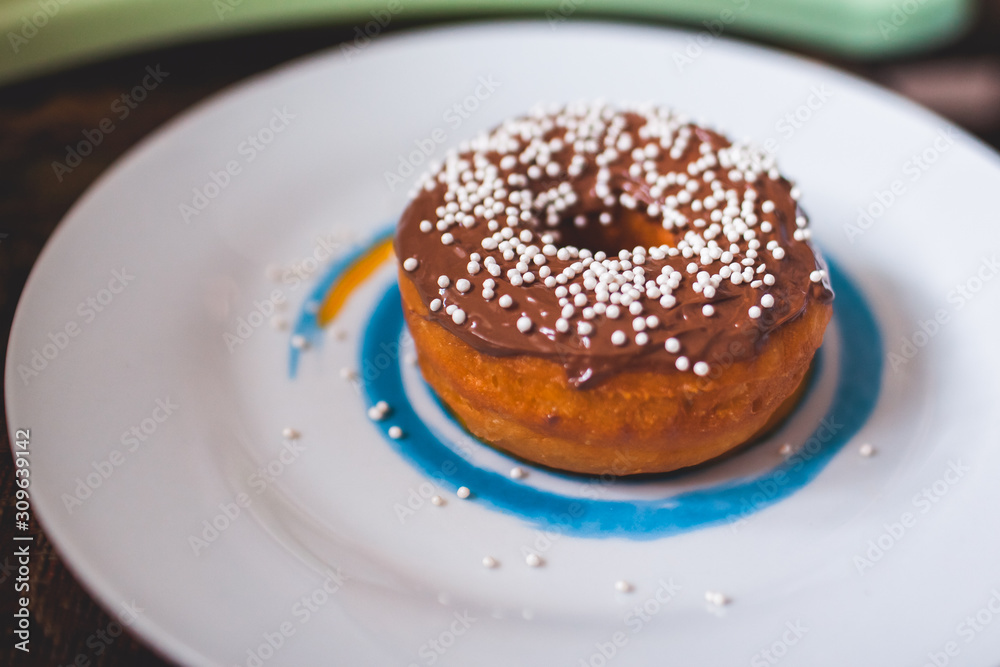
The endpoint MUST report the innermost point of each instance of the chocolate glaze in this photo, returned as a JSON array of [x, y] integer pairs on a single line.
[[729, 335]]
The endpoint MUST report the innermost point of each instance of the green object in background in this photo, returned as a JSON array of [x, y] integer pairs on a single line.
[[46, 35]]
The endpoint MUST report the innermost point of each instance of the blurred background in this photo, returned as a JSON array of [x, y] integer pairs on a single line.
[[68, 66]]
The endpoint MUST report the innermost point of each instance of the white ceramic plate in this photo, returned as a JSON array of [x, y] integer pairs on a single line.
[[150, 424]]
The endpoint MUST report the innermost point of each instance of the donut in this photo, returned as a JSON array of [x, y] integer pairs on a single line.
[[611, 290]]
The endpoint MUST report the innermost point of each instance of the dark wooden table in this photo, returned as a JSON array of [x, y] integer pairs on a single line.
[[41, 117]]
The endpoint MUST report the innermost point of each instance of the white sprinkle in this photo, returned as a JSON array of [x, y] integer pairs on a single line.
[[505, 301], [411, 264], [673, 345], [524, 324], [289, 433], [395, 432], [682, 363], [641, 338], [443, 281], [299, 342], [767, 300], [435, 305], [716, 598], [426, 226], [618, 337], [348, 374], [533, 560], [866, 450], [816, 276], [458, 316], [786, 449], [463, 285], [778, 253], [754, 312], [489, 562], [463, 492], [375, 414], [517, 472], [701, 369], [767, 207], [279, 323], [707, 310], [447, 238], [623, 586]]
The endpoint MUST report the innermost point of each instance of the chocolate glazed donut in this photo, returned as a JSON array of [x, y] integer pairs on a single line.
[[608, 290]]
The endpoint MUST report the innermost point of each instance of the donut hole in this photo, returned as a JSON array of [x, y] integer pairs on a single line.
[[626, 230]]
